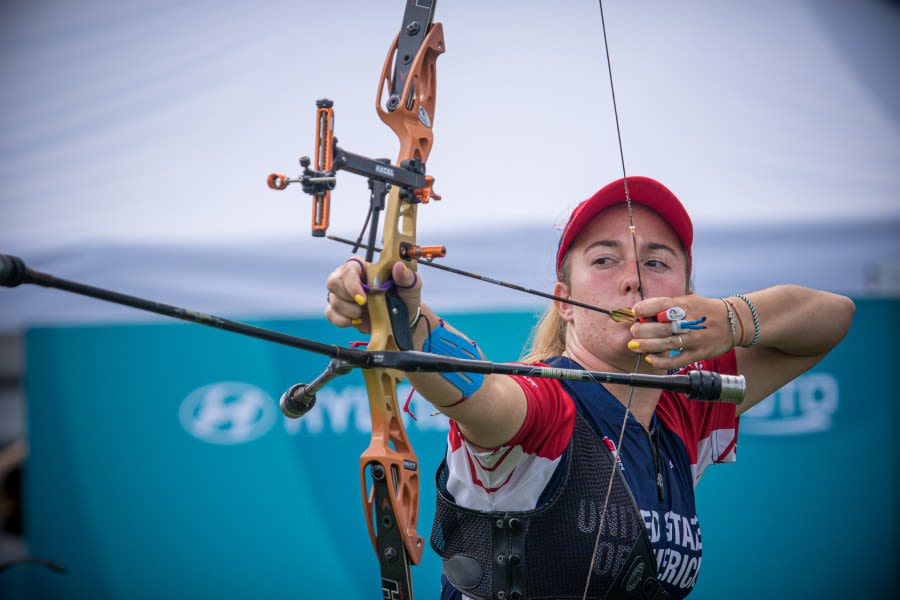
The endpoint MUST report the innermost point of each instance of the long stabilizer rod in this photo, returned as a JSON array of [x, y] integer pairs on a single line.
[[700, 385]]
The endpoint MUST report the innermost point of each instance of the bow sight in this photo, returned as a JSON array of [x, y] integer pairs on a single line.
[[318, 182], [413, 187]]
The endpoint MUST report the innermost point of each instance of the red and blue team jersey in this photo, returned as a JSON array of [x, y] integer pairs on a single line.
[[661, 465]]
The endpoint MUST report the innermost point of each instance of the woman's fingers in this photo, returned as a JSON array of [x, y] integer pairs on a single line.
[[666, 348], [346, 297]]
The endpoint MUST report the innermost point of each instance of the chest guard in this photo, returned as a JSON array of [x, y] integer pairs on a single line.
[[545, 553]]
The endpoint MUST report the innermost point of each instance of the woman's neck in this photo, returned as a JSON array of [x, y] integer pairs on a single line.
[[643, 401]]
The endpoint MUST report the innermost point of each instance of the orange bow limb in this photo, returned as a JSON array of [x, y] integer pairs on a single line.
[[413, 117]]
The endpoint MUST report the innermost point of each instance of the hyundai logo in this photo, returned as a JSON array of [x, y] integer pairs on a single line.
[[227, 412], [805, 405]]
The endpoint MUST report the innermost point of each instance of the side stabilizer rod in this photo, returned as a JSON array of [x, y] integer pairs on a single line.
[[14, 272]]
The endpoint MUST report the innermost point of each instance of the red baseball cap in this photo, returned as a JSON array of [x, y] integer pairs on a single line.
[[642, 190]]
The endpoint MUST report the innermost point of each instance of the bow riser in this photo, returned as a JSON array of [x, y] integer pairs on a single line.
[[389, 468], [389, 445]]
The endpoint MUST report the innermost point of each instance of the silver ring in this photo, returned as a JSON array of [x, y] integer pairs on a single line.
[[681, 342]]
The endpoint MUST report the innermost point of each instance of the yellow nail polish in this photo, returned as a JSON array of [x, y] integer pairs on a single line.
[[359, 299], [634, 345], [356, 322], [648, 360]]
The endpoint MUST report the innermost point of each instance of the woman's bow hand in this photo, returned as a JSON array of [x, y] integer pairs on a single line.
[[347, 295]]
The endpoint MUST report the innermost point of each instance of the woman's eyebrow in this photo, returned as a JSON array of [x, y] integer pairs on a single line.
[[603, 244], [646, 247], [653, 246]]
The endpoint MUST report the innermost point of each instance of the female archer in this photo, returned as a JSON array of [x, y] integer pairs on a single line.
[[554, 489]]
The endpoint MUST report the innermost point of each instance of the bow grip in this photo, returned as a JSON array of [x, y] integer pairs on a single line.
[[399, 317]]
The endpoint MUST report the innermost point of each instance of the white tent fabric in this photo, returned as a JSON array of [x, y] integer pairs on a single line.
[[287, 278]]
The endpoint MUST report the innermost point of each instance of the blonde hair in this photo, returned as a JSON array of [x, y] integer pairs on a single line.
[[548, 338]]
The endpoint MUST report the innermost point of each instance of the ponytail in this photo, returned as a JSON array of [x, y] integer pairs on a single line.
[[548, 338]]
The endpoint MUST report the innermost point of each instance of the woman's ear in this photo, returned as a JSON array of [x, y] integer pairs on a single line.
[[564, 309]]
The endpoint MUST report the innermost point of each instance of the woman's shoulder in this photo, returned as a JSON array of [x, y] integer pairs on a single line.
[[708, 430]]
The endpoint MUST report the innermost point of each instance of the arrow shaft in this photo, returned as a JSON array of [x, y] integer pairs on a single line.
[[471, 275]]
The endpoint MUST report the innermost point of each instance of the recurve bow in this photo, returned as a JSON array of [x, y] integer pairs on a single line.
[[389, 468]]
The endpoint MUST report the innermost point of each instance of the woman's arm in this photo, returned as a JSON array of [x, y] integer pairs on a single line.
[[797, 327], [489, 416]]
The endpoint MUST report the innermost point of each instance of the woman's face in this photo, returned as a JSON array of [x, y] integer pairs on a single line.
[[602, 272]]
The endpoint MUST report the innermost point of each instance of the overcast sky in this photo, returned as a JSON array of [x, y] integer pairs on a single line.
[[159, 120]]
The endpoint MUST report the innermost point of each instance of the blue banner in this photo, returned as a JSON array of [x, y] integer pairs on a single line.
[[160, 467]]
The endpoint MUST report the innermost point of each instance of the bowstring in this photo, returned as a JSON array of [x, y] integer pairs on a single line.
[[640, 357]]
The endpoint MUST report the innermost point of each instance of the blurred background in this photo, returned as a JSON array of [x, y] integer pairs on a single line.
[[148, 457]]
